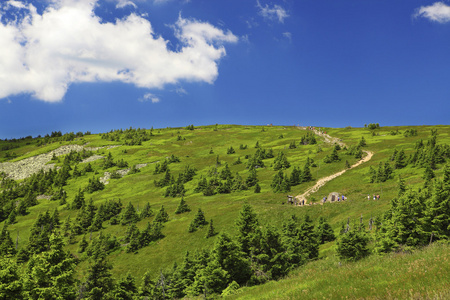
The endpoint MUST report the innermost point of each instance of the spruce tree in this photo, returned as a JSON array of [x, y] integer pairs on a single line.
[[400, 160], [7, 248], [162, 216], [11, 284], [182, 207], [211, 231], [129, 215], [324, 231], [247, 224], [50, 275], [352, 245]]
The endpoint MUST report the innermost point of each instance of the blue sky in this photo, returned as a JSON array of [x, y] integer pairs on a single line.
[[85, 65]]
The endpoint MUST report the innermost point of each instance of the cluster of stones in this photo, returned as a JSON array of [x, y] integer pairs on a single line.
[[107, 175], [26, 167]]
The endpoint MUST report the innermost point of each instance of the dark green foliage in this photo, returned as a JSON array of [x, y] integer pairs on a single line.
[[99, 282], [182, 207], [252, 178], [108, 162], [352, 245], [121, 164], [247, 224], [129, 215], [82, 245], [190, 127], [198, 222], [134, 170], [7, 248], [281, 162], [88, 168], [211, 230], [50, 275], [400, 160], [280, 183], [292, 145], [146, 212], [373, 126], [237, 162], [324, 231], [162, 216], [231, 150], [257, 189], [78, 201], [11, 284], [115, 175], [94, 185], [308, 238], [308, 139], [362, 142], [334, 156], [12, 216]]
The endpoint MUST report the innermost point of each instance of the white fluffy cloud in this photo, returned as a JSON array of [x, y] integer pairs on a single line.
[[437, 12], [275, 12], [149, 97], [44, 53]]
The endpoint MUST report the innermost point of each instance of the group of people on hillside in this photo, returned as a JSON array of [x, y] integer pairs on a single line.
[[375, 197], [342, 198]]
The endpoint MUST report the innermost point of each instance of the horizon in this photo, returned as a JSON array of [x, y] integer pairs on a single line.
[[169, 63]]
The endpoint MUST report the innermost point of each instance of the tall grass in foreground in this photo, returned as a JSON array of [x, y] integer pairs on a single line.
[[424, 274]]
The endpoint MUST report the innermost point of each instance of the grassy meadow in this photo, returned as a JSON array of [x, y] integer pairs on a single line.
[[394, 276]]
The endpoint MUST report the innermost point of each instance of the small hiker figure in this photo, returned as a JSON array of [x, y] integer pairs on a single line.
[[378, 197], [368, 197], [324, 199], [374, 197], [303, 202], [343, 198]]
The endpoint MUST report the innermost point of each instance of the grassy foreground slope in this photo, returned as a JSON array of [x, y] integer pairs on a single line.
[[421, 275], [201, 148]]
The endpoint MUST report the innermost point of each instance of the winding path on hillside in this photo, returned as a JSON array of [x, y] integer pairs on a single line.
[[322, 181]]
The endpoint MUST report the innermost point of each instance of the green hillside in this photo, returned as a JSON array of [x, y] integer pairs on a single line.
[[211, 168]]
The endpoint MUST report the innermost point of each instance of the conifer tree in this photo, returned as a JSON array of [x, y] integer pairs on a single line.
[[257, 189], [129, 215], [247, 224], [252, 178], [50, 275], [78, 201], [308, 238], [162, 216], [126, 288], [324, 231], [146, 212], [7, 248], [400, 160], [82, 245], [99, 282], [352, 245], [11, 285], [182, 207], [211, 230]]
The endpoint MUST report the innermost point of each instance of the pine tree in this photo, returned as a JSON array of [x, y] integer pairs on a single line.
[[352, 245], [50, 275], [257, 189], [78, 201], [400, 160], [306, 174], [11, 285], [7, 248], [198, 221], [82, 245], [308, 238], [324, 231], [252, 178], [146, 212], [126, 288], [211, 231], [129, 215], [162, 216], [182, 207], [99, 282], [247, 224]]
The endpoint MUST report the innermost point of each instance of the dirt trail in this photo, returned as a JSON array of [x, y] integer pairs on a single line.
[[322, 181]]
